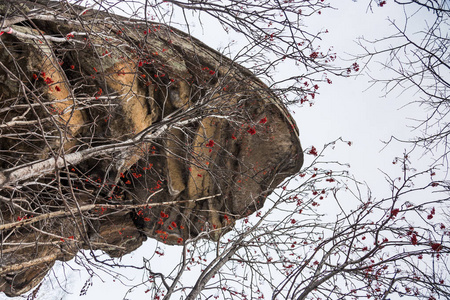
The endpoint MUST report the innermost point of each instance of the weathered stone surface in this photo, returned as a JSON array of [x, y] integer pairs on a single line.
[[229, 140]]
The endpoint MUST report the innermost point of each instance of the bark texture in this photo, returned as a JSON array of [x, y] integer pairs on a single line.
[[115, 130]]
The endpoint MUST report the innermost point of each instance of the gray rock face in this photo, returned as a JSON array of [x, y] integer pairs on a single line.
[[156, 135]]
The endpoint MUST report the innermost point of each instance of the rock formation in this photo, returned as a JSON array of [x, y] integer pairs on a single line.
[[114, 130]]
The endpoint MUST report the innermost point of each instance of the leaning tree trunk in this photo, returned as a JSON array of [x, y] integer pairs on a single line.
[[114, 130]]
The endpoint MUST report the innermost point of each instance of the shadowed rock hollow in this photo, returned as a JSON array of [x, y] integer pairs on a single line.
[[114, 130]]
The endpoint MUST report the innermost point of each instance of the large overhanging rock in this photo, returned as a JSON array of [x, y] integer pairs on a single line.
[[115, 130]]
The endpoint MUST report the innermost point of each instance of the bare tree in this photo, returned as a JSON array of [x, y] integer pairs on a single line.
[[418, 61], [396, 246], [115, 129]]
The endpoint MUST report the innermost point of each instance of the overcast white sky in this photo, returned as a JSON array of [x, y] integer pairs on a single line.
[[346, 108]]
